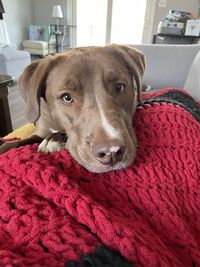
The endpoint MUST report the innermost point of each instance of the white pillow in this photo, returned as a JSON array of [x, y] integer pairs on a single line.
[[192, 83]]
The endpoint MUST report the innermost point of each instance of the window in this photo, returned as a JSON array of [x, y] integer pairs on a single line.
[[127, 21], [112, 21], [91, 22]]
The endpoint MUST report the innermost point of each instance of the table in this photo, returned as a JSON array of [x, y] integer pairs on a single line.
[[60, 38], [5, 118], [174, 39]]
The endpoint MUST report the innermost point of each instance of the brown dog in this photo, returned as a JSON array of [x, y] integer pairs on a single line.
[[90, 94]]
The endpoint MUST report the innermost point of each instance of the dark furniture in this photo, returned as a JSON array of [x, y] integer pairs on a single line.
[[174, 39], [5, 119], [61, 39]]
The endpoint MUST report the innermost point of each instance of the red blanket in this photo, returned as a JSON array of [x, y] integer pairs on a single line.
[[52, 210]]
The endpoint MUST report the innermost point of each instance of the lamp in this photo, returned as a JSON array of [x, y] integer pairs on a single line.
[[57, 13]]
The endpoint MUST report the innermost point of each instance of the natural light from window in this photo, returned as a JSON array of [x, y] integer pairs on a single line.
[[126, 27], [128, 21], [91, 22]]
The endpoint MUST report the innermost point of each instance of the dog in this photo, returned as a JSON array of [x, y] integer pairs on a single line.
[[83, 100]]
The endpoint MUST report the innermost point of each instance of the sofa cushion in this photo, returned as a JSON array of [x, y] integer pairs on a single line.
[[2, 45], [9, 54], [35, 44], [13, 62], [192, 83], [167, 65], [42, 48]]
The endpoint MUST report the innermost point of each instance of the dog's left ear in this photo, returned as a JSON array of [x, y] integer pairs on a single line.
[[32, 84], [135, 60]]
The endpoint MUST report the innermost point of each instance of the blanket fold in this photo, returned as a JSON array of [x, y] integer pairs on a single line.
[[53, 211]]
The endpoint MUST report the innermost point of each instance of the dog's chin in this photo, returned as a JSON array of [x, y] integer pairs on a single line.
[[100, 168], [96, 167]]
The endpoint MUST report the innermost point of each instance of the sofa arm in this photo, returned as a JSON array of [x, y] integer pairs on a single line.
[[167, 65], [192, 83], [13, 62]]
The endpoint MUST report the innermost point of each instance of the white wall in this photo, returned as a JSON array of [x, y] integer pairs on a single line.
[[184, 5], [42, 14], [18, 15], [21, 13], [42, 11]]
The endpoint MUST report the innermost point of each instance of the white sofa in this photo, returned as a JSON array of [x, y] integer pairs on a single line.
[[173, 66], [13, 61]]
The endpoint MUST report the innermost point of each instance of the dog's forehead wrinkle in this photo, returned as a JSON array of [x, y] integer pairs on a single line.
[[70, 83], [72, 69], [94, 58], [83, 66], [113, 75]]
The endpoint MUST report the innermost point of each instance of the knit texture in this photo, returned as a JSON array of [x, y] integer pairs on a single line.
[[102, 257], [52, 210]]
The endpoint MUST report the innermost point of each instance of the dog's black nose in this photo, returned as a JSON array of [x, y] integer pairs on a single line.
[[109, 153]]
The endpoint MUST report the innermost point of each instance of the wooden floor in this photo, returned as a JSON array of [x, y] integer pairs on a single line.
[[17, 107]]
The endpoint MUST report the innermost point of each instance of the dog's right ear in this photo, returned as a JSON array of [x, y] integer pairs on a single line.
[[32, 84]]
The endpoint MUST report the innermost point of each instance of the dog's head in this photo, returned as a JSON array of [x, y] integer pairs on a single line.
[[91, 94]]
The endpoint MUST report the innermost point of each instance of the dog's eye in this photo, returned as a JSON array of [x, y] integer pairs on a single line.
[[66, 98], [119, 87]]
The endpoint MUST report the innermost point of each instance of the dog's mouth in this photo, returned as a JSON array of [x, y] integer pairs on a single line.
[[97, 167], [106, 168], [104, 158]]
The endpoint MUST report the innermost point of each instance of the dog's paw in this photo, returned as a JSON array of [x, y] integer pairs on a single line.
[[53, 142]]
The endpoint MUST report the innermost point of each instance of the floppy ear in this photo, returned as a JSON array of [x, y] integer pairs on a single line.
[[135, 60], [32, 85]]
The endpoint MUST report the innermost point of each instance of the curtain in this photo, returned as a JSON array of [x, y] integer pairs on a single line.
[[1, 10]]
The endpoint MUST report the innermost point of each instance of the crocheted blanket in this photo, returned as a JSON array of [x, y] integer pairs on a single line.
[[53, 212]]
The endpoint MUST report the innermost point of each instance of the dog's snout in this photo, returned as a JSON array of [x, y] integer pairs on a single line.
[[109, 153]]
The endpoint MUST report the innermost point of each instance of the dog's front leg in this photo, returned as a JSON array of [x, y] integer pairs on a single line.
[[53, 142]]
